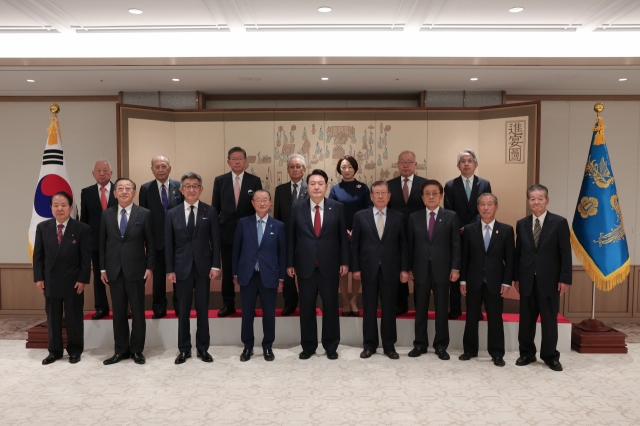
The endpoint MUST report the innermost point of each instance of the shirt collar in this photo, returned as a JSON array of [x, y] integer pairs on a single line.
[[187, 205], [166, 185], [313, 205], [298, 182], [63, 223], [262, 218], [107, 187], [375, 211], [435, 211], [408, 177], [234, 176], [470, 178], [128, 209], [541, 217], [491, 224]]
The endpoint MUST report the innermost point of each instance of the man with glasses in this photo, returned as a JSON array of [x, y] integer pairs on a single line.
[[192, 248], [127, 258], [288, 194], [405, 198], [232, 194]]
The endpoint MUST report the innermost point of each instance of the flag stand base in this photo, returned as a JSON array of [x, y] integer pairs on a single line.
[[592, 336], [592, 325]]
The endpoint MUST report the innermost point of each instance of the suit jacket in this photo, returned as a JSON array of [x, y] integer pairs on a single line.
[[133, 253], [282, 203], [224, 202], [369, 252], [494, 265], [61, 267], [444, 250], [455, 198], [181, 249], [150, 198], [397, 199], [331, 248], [550, 262], [271, 253], [91, 211]]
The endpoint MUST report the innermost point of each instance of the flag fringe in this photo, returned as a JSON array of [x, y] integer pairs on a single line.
[[30, 247], [604, 283]]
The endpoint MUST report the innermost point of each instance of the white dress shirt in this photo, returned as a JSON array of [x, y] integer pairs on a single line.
[[483, 231], [187, 211], [64, 225], [464, 181], [429, 215], [234, 176], [264, 224], [384, 215], [409, 182], [166, 187], [541, 217], [313, 212], [128, 210], [107, 187], [299, 183]]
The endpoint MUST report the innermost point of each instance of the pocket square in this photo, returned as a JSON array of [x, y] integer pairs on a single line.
[[137, 223], [272, 233], [73, 242], [205, 218]]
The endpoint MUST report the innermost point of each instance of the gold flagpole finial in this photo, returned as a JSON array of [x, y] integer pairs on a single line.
[[55, 109], [598, 108]]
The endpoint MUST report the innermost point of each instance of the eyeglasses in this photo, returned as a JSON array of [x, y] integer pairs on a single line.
[[431, 194], [124, 188], [296, 166], [191, 187], [405, 163], [380, 193], [237, 160], [262, 201], [466, 162]]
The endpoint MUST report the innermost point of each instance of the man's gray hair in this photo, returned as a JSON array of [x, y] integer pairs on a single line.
[[487, 194], [292, 156], [102, 161], [161, 156], [468, 151], [190, 175]]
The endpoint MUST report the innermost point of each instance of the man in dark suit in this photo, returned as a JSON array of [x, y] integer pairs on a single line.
[[232, 193], [94, 200], [488, 253], [542, 274], [259, 267], [288, 194], [61, 269], [318, 252], [192, 249], [160, 195], [127, 257], [461, 196], [434, 250], [406, 199], [379, 257]]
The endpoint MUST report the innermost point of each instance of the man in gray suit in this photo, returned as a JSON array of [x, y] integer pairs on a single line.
[[127, 257]]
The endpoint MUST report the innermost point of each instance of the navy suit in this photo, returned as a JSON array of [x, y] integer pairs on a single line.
[[317, 261], [191, 258], [455, 198], [270, 255]]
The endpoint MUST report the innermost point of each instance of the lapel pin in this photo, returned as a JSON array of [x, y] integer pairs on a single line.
[[250, 192], [497, 231]]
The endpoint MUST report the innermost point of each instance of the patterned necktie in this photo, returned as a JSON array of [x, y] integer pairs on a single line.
[[467, 188], [536, 232], [165, 200], [191, 223], [236, 189], [123, 222], [405, 191], [260, 233], [317, 226], [294, 195], [103, 197], [432, 224], [487, 237], [380, 224], [60, 226]]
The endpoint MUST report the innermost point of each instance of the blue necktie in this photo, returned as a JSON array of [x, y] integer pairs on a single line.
[[123, 222], [467, 188], [487, 237], [165, 200], [260, 233]]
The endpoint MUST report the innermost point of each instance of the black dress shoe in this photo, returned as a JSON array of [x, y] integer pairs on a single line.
[[401, 310], [466, 357], [138, 358], [205, 356], [74, 359], [50, 359], [554, 365], [366, 353], [416, 352], [499, 362], [355, 313], [288, 310], [332, 355], [443, 355], [226, 311], [246, 355], [523, 360], [346, 313], [182, 357], [116, 359], [306, 354], [392, 354], [158, 315], [99, 314], [454, 314], [268, 355]]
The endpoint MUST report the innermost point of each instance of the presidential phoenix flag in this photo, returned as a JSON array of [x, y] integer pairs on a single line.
[[53, 178], [598, 236]]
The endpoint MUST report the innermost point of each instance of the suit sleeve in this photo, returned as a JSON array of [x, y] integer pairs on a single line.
[[488, 188], [258, 183], [85, 255], [565, 252], [282, 253], [237, 248], [148, 241], [517, 253], [103, 239], [448, 197], [355, 245], [509, 258], [344, 239], [276, 208], [465, 255], [215, 239], [410, 242], [456, 244], [291, 238], [142, 198], [38, 256], [84, 209], [404, 250], [168, 244]]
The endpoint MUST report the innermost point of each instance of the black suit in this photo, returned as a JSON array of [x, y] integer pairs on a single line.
[[431, 261], [455, 198], [380, 262], [90, 213], [282, 212], [485, 271], [539, 270], [223, 200], [125, 260], [317, 261], [191, 258], [411, 206], [61, 267], [151, 199]]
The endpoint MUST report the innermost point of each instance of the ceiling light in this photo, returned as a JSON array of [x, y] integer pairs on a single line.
[[620, 79], [325, 78], [33, 81], [516, 9], [324, 9], [175, 79], [135, 11], [474, 78]]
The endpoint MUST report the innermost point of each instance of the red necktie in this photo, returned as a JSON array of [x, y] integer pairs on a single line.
[[316, 222], [60, 226], [103, 197]]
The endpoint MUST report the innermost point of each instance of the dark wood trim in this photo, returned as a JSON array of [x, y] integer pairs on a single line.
[[422, 103], [120, 94], [15, 266], [202, 104], [118, 140], [595, 98], [504, 97], [107, 98], [314, 97], [538, 126]]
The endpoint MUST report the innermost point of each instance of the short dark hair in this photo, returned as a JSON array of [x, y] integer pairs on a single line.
[[351, 160], [191, 175], [261, 190], [61, 194], [431, 182], [379, 183], [124, 178], [487, 194], [538, 187], [318, 172], [236, 149]]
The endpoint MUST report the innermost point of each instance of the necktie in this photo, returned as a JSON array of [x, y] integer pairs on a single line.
[[380, 224], [60, 226], [123, 222], [316, 222], [236, 189], [191, 223], [294, 195], [260, 233], [103, 197], [536, 232], [165, 200], [405, 191], [487, 237], [467, 188], [432, 224]]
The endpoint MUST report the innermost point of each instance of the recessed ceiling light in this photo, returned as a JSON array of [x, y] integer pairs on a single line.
[[516, 9], [175, 79], [135, 11], [33, 81], [620, 79], [324, 78], [324, 9], [474, 78]]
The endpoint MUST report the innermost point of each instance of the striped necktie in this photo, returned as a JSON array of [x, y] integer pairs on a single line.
[[536, 232]]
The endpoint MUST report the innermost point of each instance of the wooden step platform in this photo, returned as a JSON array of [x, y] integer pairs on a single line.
[[598, 342]]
